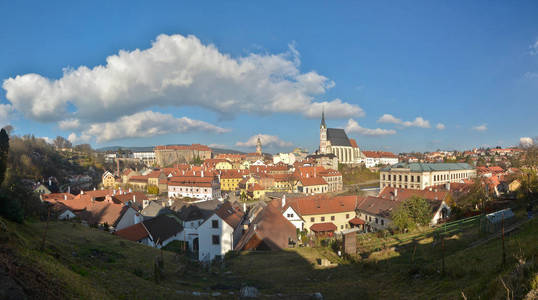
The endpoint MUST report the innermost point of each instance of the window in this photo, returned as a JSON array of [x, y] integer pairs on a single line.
[[322, 219], [215, 224], [405, 177], [312, 219], [347, 216], [216, 239], [332, 218], [418, 178], [290, 215], [412, 178], [383, 176], [382, 222], [376, 221], [341, 226], [399, 177]]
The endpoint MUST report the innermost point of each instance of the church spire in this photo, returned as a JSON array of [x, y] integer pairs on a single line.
[[323, 119], [259, 146]]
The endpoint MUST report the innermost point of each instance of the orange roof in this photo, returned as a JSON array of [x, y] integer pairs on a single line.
[[323, 204], [379, 154], [310, 181], [353, 143], [140, 178], [323, 227], [57, 196], [356, 221], [133, 233]]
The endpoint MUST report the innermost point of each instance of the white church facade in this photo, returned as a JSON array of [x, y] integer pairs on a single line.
[[335, 141]]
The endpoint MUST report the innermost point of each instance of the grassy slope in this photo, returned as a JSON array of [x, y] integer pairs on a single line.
[[389, 274], [86, 263]]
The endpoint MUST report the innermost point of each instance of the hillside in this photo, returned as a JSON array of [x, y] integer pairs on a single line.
[[82, 262]]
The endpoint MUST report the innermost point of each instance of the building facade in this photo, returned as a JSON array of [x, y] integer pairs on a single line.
[[423, 175], [335, 141]]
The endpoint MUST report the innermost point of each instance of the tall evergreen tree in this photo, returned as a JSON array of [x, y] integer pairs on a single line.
[[4, 149]]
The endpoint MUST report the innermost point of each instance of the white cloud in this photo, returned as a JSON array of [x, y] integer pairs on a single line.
[[218, 146], [482, 127], [266, 140], [76, 139], [530, 75], [526, 141], [354, 127], [176, 71], [440, 126], [333, 109], [5, 112], [69, 124], [418, 122], [533, 49], [147, 124]]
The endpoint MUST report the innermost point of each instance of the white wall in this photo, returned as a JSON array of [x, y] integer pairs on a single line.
[[207, 250], [295, 220], [129, 218]]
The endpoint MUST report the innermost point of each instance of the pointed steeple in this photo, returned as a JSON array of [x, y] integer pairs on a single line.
[[323, 125]]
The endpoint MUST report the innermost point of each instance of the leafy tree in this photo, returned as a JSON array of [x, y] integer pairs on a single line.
[[61, 142], [475, 197], [152, 189], [4, 149], [413, 212]]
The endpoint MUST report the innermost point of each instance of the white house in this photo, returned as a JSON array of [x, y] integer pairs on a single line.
[[157, 232], [375, 158], [204, 188], [291, 215], [219, 233]]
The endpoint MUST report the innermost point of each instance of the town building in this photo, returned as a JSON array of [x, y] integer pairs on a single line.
[[379, 158], [147, 157], [423, 175], [199, 187], [169, 155], [335, 141]]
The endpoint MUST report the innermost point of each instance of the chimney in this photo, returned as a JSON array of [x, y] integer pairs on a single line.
[[283, 200], [69, 189], [134, 198], [82, 192], [50, 182], [202, 174], [244, 207], [93, 199], [395, 193], [130, 190], [65, 197], [94, 188], [448, 186]]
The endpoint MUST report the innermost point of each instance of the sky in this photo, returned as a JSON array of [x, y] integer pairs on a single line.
[[400, 77]]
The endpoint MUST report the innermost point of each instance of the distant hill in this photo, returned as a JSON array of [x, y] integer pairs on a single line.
[[150, 148]]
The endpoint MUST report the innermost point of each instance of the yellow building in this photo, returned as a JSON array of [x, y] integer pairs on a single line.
[[256, 191], [223, 165], [229, 181], [514, 185], [321, 209], [108, 180]]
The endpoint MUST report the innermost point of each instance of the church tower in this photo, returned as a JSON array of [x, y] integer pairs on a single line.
[[323, 134], [259, 146]]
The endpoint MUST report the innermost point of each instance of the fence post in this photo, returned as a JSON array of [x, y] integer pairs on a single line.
[[502, 232], [443, 253]]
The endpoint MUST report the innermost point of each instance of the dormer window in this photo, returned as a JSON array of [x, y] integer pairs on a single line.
[[215, 224]]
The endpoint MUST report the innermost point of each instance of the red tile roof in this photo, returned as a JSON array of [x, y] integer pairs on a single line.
[[353, 143], [133, 233], [323, 227], [378, 206], [356, 221], [229, 214], [379, 154], [323, 204], [310, 181]]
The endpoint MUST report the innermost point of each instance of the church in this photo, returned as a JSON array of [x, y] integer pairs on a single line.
[[335, 141]]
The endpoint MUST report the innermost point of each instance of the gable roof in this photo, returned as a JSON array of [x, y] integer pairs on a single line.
[[163, 227], [323, 227], [133, 233], [322, 204], [229, 214], [378, 206], [338, 137], [269, 227], [154, 209]]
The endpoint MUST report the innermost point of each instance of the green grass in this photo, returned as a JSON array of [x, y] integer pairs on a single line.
[[86, 263], [390, 274]]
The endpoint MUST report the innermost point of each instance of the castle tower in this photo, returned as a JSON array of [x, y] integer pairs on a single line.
[[259, 146], [323, 134]]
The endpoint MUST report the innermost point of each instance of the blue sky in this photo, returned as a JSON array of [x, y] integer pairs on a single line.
[[221, 73]]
